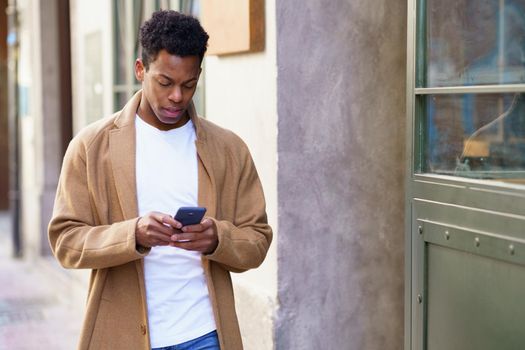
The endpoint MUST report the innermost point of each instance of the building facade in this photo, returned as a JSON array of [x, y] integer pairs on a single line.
[[322, 108]]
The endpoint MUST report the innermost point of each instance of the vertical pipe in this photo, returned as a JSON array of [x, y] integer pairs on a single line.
[[14, 127]]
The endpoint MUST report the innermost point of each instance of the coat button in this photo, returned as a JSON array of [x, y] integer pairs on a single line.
[[143, 329]]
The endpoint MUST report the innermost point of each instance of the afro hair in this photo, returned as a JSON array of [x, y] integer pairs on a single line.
[[169, 30]]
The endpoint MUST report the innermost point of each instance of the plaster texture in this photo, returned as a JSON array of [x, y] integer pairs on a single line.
[[241, 95], [255, 312], [341, 107]]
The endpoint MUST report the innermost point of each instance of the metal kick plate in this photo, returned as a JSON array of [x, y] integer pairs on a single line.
[[487, 244]]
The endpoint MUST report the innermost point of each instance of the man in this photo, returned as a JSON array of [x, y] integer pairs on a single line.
[[154, 283]]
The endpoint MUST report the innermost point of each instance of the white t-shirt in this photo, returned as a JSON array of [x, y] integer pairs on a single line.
[[179, 307]]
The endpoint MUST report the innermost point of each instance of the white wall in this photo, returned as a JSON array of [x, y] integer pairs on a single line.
[[241, 95]]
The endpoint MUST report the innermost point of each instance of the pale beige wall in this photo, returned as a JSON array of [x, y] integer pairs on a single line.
[[30, 121], [91, 19], [241, 95]]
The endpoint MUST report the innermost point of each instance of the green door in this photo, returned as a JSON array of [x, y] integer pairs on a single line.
[[465, 266]]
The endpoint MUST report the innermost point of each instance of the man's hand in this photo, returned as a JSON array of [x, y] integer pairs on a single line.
[[154, 229], [201, 238]]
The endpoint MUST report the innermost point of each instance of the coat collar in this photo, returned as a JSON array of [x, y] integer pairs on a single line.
[[126, 117], [122, 146]]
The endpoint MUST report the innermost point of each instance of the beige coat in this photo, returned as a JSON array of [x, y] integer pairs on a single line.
[[95, 214]]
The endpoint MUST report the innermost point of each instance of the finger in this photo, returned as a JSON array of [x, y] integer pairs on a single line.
[[204, 225], [157, 237], [207, 222], [165, 220], [157, 216], [197, 246], [153, 221], [184, 237], [153, 241], [168, 220], [162, 229], [194, 242]]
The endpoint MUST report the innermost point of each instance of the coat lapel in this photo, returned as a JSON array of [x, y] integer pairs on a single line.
[[206, 183], [206, 195], [122, 155]]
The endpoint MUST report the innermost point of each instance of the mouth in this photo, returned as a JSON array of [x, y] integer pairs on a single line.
[[172, 112]]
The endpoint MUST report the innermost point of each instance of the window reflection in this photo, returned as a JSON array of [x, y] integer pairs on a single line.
[[475, 42], [481, 136]]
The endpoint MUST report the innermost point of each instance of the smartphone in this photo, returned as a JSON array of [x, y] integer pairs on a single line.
[[190, 215]]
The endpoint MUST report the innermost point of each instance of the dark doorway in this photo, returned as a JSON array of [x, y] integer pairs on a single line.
[[66, 108]]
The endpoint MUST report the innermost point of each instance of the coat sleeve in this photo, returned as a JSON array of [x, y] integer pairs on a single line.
[[243, 244], [75, 238]]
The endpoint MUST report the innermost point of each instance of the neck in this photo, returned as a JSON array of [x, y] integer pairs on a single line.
[[145, 113]]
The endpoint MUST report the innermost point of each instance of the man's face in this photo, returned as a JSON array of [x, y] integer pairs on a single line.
[[167, 88]]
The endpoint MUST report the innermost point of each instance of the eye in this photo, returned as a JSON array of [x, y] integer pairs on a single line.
[[189, 86], [164, 83]]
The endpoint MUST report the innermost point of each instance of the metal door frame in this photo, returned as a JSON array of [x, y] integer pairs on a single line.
[[501, 202]]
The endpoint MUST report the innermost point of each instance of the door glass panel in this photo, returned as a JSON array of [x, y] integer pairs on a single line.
[[474, 135], [474, 42]]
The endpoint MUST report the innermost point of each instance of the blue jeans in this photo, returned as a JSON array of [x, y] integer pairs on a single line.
[[208, 341]]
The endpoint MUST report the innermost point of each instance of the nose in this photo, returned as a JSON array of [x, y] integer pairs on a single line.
[[176, 94]]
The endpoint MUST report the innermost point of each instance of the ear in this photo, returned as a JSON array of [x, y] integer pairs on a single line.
[[139, 70]]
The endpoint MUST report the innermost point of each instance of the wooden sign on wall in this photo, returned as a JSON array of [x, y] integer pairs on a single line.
[[234, 26]]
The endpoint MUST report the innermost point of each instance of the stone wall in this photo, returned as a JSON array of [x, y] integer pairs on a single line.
[[341, 140]]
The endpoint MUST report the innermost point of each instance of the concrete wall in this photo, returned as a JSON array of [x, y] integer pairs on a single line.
[[241, 95], [341, 107]]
